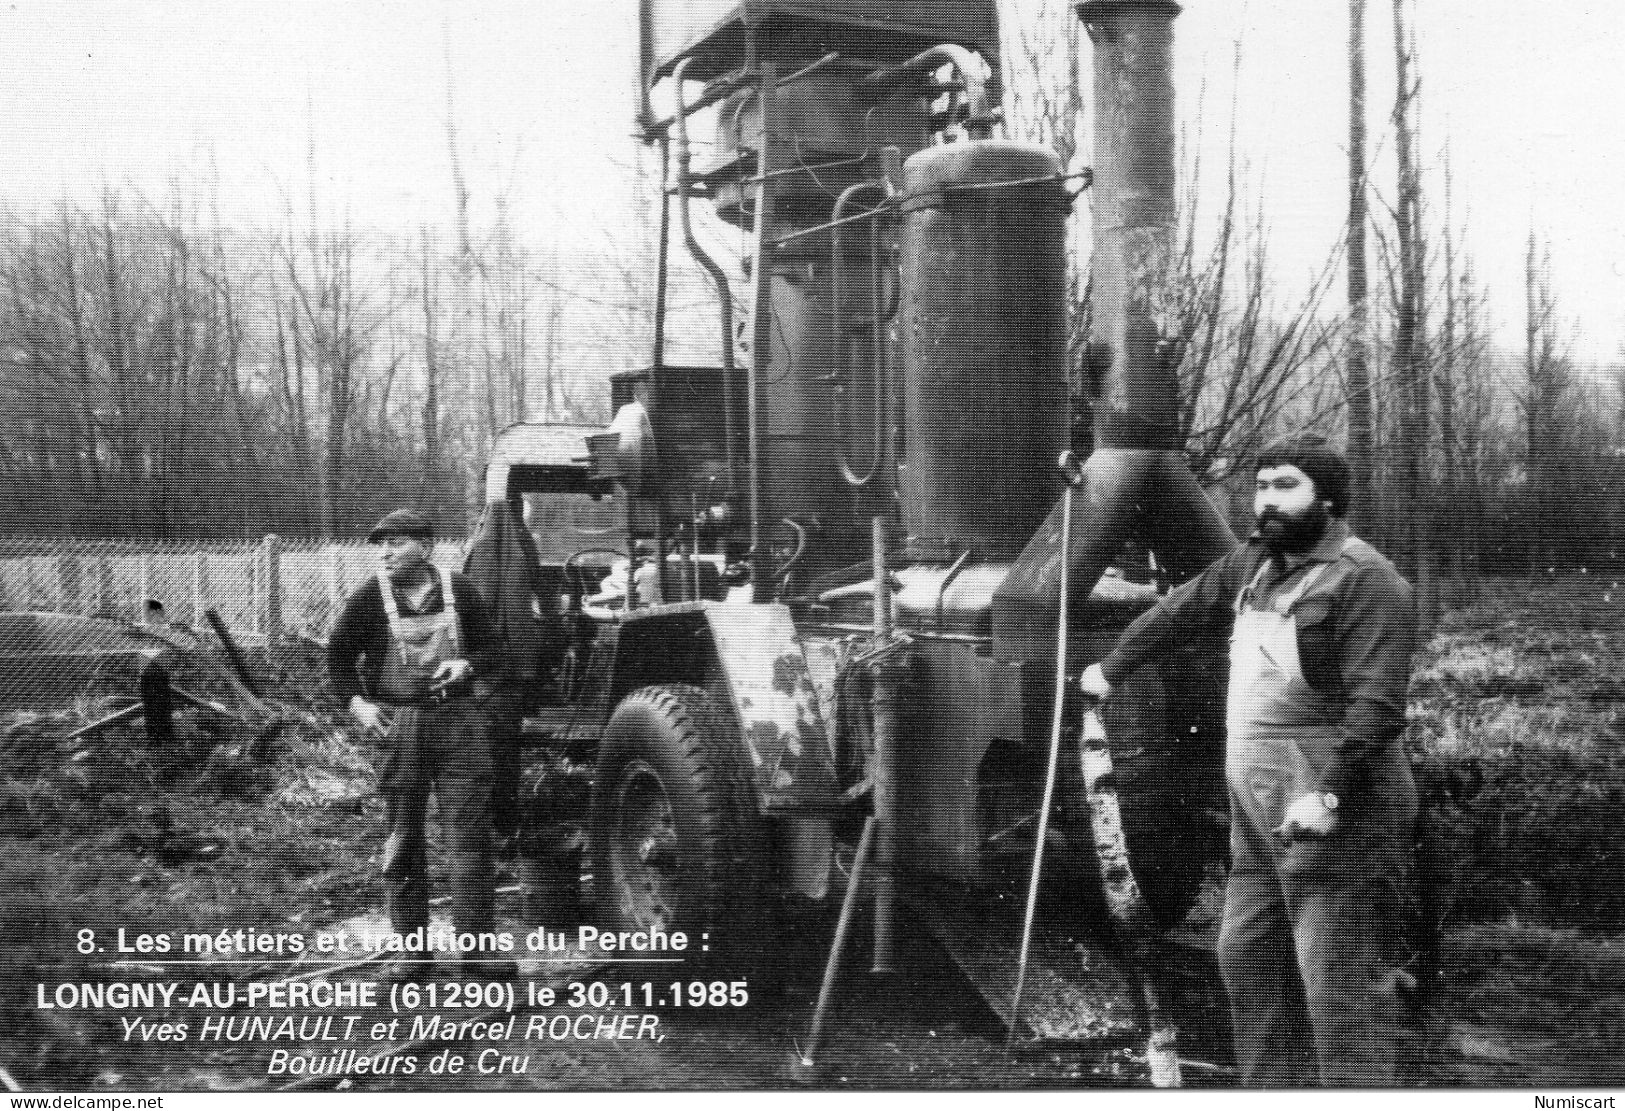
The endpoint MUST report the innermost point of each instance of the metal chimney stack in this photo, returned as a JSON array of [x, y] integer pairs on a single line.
[[1133, 354], [1136, 485]]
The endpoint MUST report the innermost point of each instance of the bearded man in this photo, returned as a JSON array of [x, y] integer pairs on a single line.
[[1320, 902]]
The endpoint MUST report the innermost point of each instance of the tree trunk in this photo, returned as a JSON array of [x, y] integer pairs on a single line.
[[1365, 512], [429, 484], [1410, 339], [1452, 517]]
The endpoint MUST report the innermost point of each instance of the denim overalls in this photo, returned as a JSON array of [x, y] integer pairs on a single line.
[[440, 745], [1314, 935]]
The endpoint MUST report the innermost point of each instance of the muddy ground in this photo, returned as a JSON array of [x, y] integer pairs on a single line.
[[105, 833]]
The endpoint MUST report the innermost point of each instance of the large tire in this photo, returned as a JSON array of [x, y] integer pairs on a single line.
[[677, 839]]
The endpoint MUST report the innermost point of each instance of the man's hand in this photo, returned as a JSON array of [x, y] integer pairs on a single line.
[[1093, 683], [370, 715], [452, 671], [1306, 819]]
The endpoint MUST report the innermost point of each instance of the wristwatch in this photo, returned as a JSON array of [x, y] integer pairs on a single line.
[[1329, 800]]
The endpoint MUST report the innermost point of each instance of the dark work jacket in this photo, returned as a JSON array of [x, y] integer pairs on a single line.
[[502, 563]]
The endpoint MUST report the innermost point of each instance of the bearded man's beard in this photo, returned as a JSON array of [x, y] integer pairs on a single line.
[[1294, 532]]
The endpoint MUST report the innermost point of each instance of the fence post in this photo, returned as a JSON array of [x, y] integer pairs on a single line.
[[107, 603], [335, 585], [271, 592], [250, 619], [143, 585], [69, 597], [200, 587]]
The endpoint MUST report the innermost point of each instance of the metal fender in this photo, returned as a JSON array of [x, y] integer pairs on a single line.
[[785, 734]]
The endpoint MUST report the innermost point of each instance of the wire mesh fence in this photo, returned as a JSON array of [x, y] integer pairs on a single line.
[[81, 617]]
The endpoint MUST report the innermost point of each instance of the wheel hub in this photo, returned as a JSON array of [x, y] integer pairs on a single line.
[[644, 853]]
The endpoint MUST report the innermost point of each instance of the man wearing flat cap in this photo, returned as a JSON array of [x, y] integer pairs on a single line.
[[402, 657], [1319, 912]]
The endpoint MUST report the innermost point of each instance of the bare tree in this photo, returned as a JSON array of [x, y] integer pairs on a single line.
[[1359, 374], [1546, 391], [1246, 365], [430, 418], [1410, 333]]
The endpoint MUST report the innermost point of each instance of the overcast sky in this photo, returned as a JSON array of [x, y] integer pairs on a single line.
[[142, 92]]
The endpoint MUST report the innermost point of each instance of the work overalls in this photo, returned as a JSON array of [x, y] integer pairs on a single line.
[[1314, 935], [443, 745]]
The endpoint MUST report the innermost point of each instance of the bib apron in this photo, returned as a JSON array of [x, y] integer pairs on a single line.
[[438, 746], [1313, 939]]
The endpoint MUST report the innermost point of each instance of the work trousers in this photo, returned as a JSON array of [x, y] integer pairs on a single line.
[[1317, 939], [446, 751], [507, 721]]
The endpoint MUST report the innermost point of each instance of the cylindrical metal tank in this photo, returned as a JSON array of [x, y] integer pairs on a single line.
[[983, 275]]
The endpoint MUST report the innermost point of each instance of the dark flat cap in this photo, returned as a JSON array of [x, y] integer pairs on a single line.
[[402, 522]]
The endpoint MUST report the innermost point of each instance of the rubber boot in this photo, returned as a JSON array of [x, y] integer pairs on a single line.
[[473, 905]]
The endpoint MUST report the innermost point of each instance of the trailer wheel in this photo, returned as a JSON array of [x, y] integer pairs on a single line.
[[676, 836]]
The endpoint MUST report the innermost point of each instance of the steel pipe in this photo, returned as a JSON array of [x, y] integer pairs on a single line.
[[884, 767], [838, 346], [979, 124], [719, 277]]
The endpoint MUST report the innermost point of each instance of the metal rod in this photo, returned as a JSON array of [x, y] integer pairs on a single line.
[[843, 925], [1087, 176], [877, 340], [718, 276], [1066, 464], [662, 258], [809, 69], [947, 581], [761, 333], [803, 168], [884, 771], [719, 89], [805, 232], [694, 540]]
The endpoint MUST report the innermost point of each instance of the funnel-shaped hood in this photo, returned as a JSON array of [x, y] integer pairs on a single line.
[[1147, 496]]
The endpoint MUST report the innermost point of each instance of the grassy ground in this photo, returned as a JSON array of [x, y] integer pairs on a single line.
[[1520, 695], [103, 832]]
